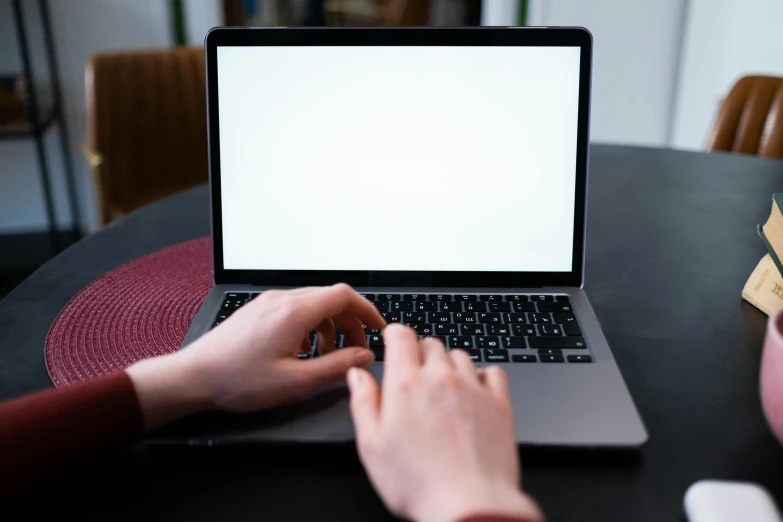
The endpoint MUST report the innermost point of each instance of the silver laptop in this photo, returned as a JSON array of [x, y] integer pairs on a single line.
[[440, 171]]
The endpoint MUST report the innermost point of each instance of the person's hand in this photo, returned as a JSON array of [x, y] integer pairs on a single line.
[[250, 361], [437, 442]]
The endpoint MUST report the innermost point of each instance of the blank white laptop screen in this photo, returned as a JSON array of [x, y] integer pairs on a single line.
[[398, 158]]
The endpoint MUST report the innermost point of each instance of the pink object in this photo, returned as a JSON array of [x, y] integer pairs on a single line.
[[138, 310], [771, 380]]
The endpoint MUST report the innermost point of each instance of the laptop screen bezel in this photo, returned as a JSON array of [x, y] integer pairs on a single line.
[[478, 36]]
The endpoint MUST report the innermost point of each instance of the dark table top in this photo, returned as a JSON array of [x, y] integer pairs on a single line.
[[670, 242]]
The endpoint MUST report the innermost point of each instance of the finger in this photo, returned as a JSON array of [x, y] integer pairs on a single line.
[[464, 365], [434, 352], [496, 381], [403, 355], [365, 405], [352, 329], [326, 333], [333, 366], [336, 300]]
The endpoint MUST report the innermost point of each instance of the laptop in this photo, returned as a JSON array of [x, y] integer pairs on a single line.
[[442, 172]]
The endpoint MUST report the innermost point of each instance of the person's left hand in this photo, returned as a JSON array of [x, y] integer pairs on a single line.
[[250, 361]]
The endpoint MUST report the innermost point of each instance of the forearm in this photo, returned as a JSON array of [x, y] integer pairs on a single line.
[[57, 428], [492, 505]]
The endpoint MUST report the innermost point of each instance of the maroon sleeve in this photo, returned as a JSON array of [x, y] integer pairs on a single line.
[[58, 428], [494, 518]]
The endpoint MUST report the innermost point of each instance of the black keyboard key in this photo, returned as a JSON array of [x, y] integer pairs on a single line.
[[465, 297], [371, 331], [492, 297], [301, 355], [524, 358], [311, 337], [557, 342], [501, 306], [402, 306], [524, 329], [232, 304], [580, 359], [493, 355], [254, 295], [514, 318], [440, 317], [471, 329], [453, 306], [341, 342], [446, 329], [487, 342], [564, 318], [382, 306], [514, 342], [378, 351], [550, 351], [517, 298], [498, 329], [464, 317], [216, 323], [423, 328], [543, 298], [392, 317], [551, 358], [440, 297], [571, 329], [490, 317], [237, 295], [475, 306], [554, 307], [223, 315], [460, 341], [524, 307], [474, 353], [414, 317], [562, 298], [425, 306], [550, 329], [414, 297], [388, 297], [375, 341], [539, 318], [369, 297]]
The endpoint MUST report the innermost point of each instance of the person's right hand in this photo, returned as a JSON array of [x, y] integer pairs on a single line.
[[438, 442]]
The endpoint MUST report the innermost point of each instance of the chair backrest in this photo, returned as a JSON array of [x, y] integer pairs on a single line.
[[750, 119], [146, 126]]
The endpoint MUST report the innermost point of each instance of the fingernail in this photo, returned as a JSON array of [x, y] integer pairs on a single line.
[[354, 377], [363, 358]]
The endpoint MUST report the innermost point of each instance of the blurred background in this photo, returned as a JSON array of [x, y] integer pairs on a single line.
[[93, 92]]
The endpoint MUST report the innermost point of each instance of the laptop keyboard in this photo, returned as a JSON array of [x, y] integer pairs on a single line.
[[491, 328]]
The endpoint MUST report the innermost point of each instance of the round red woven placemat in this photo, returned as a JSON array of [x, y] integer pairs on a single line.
[[138, 310]]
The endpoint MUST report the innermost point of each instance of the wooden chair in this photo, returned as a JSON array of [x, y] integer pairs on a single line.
[[146, 126], [750, 119], [376, 12]]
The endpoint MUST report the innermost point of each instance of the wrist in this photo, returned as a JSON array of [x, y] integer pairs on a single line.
[[456, 505], [168, 389]]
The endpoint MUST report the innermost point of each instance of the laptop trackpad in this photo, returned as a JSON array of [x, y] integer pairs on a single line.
[[323, 416]]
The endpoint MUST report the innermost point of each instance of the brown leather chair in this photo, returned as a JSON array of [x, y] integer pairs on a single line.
[[146, 126], [750, 119]]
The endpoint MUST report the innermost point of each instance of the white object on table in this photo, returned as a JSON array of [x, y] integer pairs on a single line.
[[725, 501]]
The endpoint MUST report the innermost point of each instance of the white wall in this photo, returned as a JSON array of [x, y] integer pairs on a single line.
[[724, 40], [80, 28], [635, 61]]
